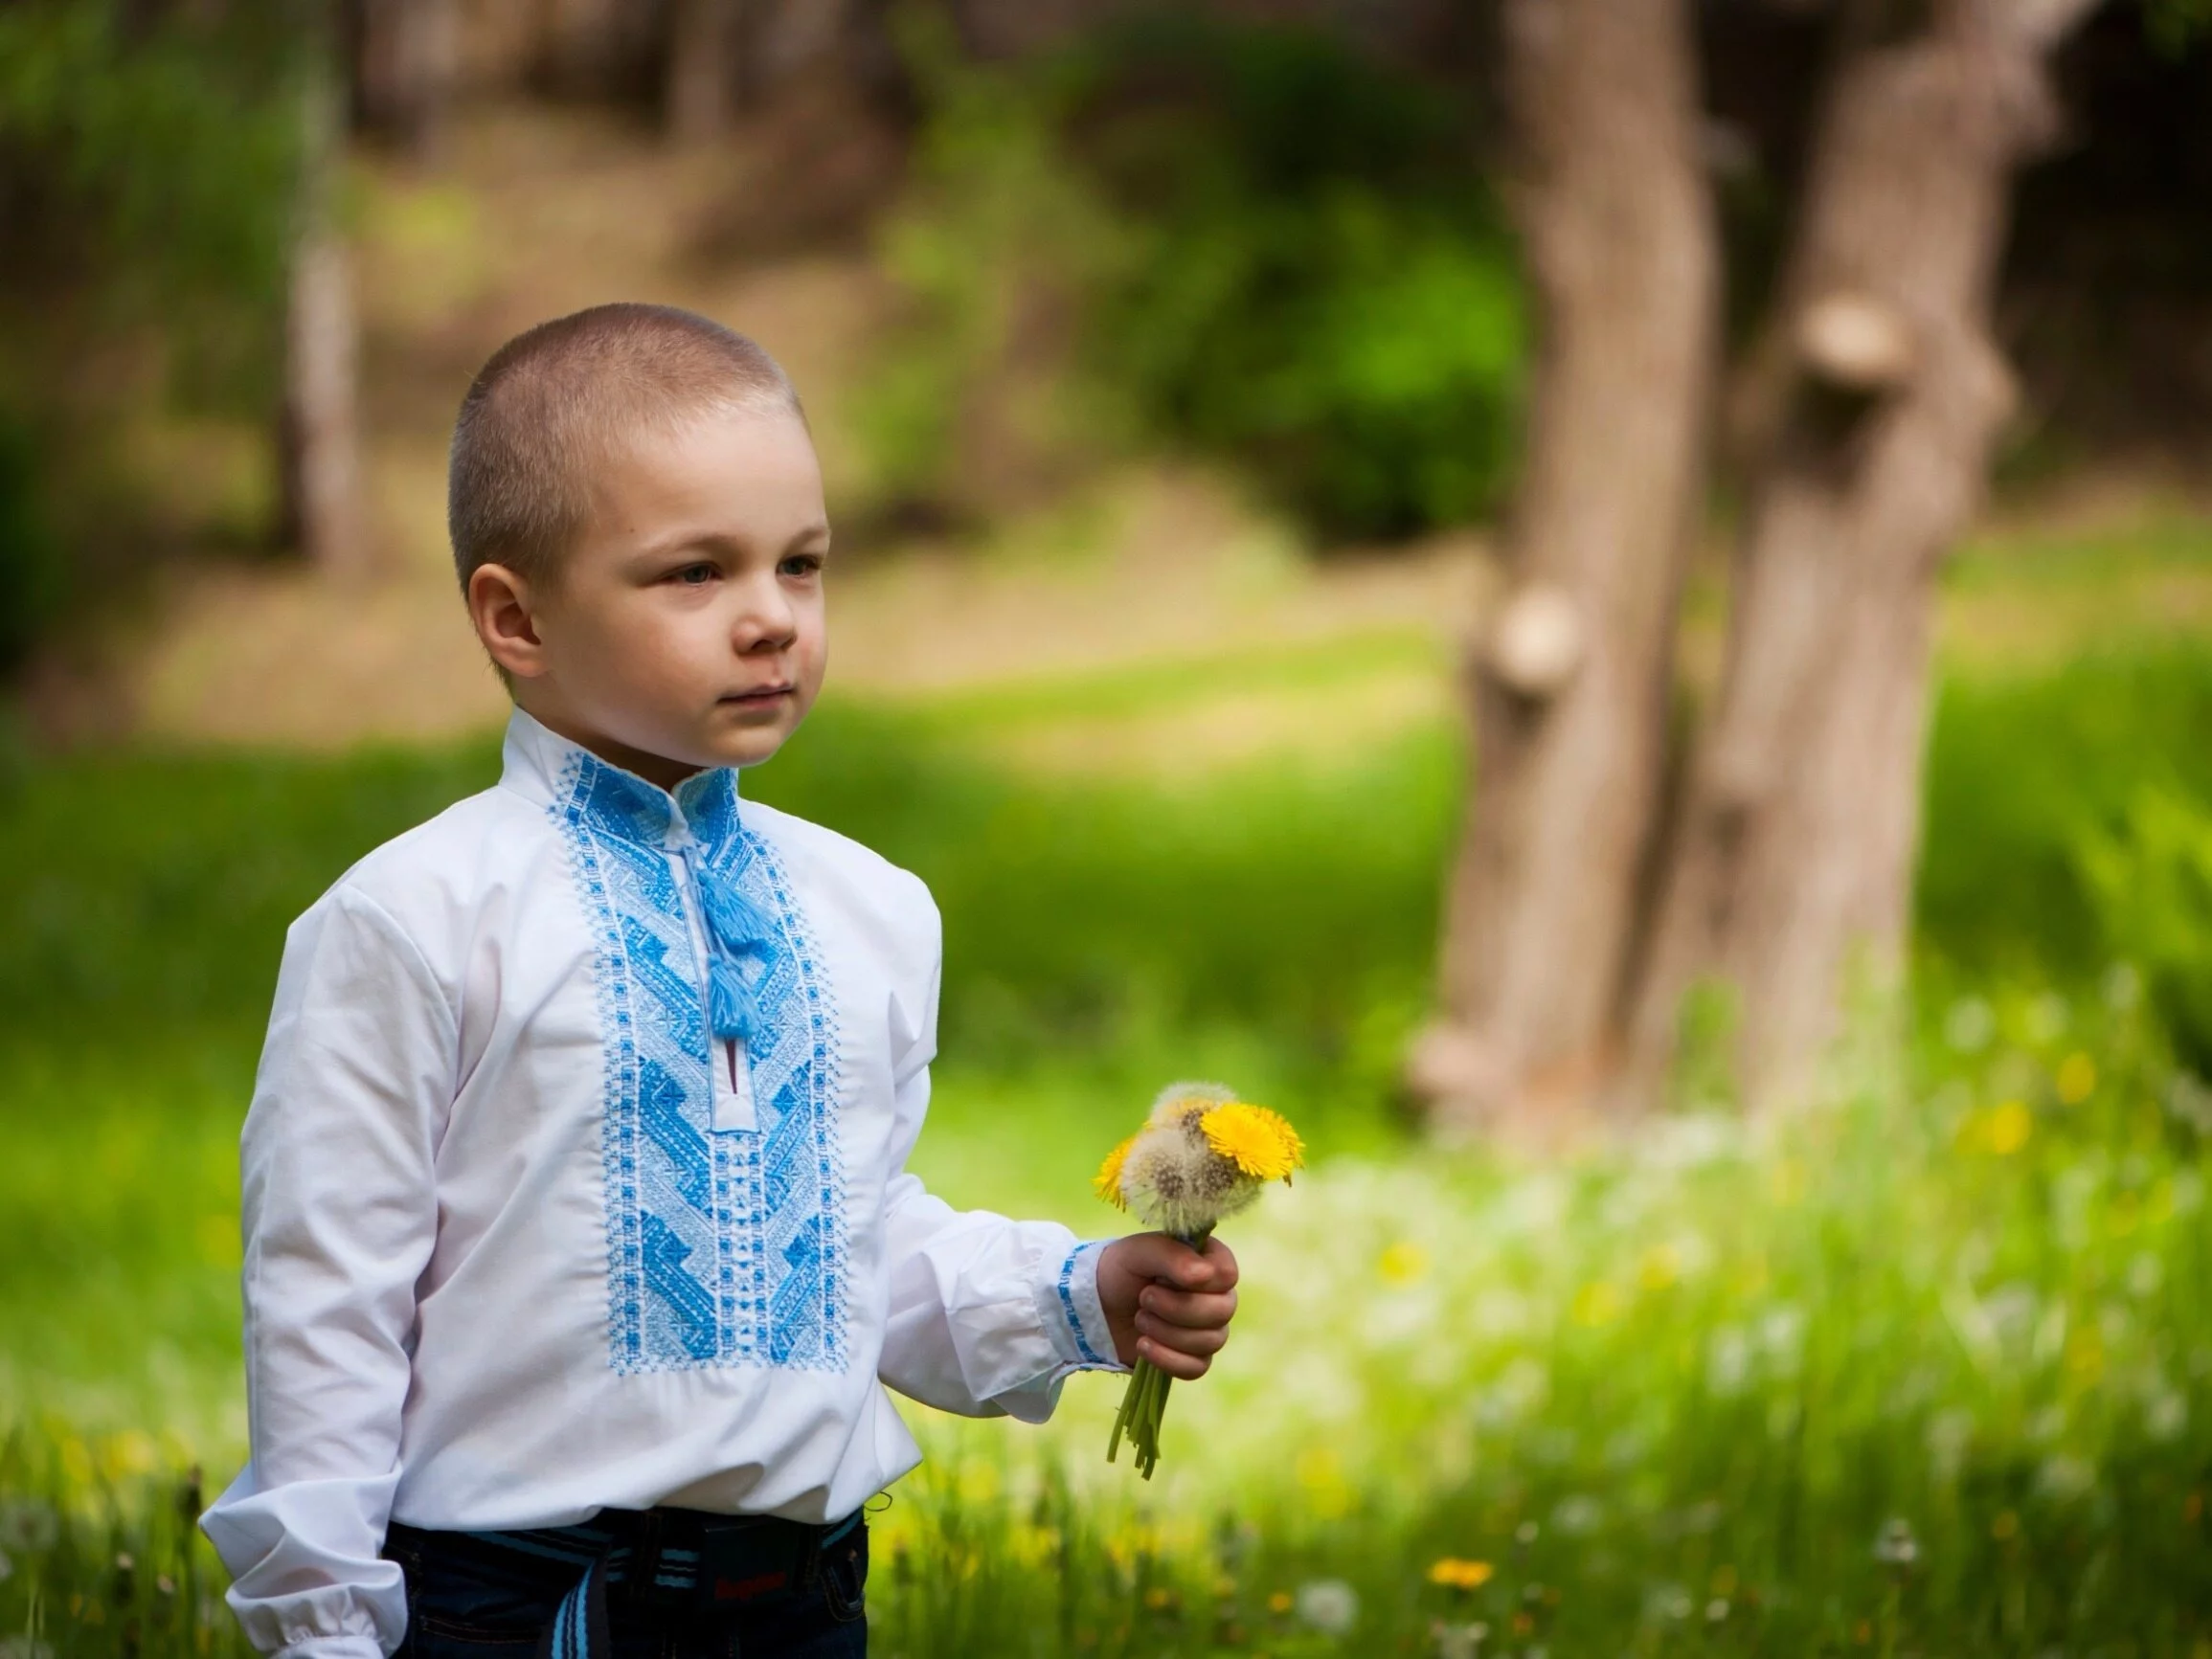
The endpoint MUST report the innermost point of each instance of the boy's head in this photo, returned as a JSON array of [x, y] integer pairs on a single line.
[[638, 523]]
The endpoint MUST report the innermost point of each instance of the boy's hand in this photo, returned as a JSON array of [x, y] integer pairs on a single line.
[[1167, 1303]]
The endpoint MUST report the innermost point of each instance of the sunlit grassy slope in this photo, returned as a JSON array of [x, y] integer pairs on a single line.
[[1665, 1399]]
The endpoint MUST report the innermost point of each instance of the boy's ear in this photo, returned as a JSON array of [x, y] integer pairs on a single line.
[[500, 604]]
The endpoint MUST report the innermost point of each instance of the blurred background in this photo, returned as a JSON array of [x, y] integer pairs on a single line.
[[1608, 605]]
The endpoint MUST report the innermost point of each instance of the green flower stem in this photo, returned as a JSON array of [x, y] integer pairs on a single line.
[[1144, 1402]]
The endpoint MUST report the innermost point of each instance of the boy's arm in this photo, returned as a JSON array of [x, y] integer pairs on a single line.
[[988, 1316], [340, 1216]]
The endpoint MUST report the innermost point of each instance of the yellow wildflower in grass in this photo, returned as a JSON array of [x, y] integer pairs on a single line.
[[2007, 1128], [2077, 1078], [1455, 1574], [1403, 1262], [1597, 1303], [1202, 1155], [1662, 1266]]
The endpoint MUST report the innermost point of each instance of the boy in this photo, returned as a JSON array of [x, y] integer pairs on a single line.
[[577, 1229]]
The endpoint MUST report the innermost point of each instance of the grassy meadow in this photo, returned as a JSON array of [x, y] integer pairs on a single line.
[[1926, 1369]]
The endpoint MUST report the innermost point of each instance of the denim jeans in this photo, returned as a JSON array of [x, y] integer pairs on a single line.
[[463, 1606]]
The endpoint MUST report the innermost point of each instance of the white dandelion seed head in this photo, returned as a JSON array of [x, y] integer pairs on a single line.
[[1896, 1546], [1172, 1178], [1179, 1102], [28, 1526], [1330, 1606]]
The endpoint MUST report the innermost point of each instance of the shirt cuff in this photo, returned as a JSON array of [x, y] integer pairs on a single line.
[[1074, 1319]]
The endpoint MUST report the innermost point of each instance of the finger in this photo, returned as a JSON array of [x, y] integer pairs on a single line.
[[1161, 1257], [1182, 1367], [1180, 1264], [1196, 1310], [1222, 1260], [1208, 1341]]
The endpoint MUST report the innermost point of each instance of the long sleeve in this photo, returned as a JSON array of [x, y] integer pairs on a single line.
[[988, 1316], [340, 1216]]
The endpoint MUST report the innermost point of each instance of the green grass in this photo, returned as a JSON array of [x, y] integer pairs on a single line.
[[1670, 1397]]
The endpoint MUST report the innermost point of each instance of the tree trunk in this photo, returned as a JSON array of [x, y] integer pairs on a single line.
[[1570, 683], [404, 60], [1791, 865], [706, 59], [318, 440]]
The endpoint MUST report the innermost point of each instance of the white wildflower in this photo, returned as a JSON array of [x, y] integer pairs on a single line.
[[28, 1526], [2165, 1415], [1330, 1606], [1895, 1546], [2065, 1477], [1578, 1515], [1728, 1361]]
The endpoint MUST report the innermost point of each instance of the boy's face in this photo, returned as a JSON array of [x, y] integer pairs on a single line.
[[685, 628]]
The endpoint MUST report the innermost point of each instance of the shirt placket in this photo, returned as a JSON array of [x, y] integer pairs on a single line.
[[729, 1064]]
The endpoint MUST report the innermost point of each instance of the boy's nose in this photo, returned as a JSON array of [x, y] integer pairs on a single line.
[[765, 620]]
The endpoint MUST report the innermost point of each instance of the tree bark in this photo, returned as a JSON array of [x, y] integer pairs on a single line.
[[1793, 860], [1570, 683], [319, 437], [405, 55], [705, 60]]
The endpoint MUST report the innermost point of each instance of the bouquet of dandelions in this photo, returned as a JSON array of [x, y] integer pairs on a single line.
[[1203, 1155]]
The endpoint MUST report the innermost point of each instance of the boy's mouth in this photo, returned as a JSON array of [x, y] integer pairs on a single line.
[[760, 694]]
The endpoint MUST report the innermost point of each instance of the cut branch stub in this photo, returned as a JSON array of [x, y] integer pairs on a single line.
[[1536, 643], [1857, 342]]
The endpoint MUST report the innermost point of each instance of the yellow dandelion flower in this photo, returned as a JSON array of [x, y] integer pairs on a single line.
[[1107, 1183], [2008, 1128], [1261, 1143], [1455, 1574]]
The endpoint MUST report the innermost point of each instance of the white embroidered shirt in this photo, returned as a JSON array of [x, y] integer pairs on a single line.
[[526, 1239]]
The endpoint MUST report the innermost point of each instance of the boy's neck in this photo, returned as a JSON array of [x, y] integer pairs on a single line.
[[657, 769]]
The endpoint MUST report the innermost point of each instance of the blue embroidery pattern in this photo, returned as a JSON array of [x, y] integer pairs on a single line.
[[724, 1246], [1068, 1303]]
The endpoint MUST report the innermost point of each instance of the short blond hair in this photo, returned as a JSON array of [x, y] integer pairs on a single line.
[[558, 400]]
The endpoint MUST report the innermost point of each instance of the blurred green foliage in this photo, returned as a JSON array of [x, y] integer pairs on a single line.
[[1276, 251], [1324, 290], [158, 144], [2021, 771], [2152, 881], [149, 159]]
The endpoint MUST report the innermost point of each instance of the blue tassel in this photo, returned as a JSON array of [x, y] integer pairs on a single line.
[[734, 921], [736, 929], [730, 1004]]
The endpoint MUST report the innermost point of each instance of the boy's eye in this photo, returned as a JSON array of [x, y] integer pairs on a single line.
[[802, 564], [694, 576]]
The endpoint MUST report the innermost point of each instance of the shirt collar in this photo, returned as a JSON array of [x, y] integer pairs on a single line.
[[540, 763]]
